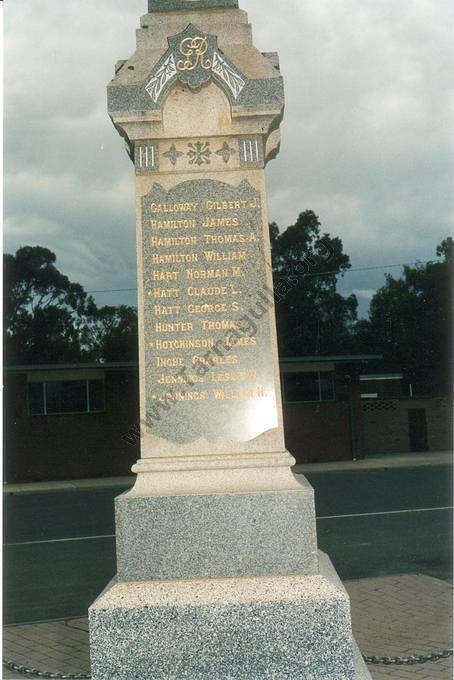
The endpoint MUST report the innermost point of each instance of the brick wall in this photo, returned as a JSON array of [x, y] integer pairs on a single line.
[[41, 448], [386, 428], [321, 431]]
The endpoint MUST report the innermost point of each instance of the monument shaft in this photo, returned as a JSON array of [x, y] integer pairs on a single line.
[[200, 110]]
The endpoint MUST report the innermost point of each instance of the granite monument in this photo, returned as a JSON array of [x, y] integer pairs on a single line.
[[219, 575]]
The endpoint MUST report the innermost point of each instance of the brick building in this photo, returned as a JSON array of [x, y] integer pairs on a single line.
[[397, 421], [322, 407], [69, 421]]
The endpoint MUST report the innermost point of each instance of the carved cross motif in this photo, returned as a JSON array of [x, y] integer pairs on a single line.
[[225, 152], [172, 154], [199, 153]]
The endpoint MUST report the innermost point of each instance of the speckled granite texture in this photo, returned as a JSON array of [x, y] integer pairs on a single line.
[[244, 534], [170, 5], [240, 629], [261, 94], [218, 573]]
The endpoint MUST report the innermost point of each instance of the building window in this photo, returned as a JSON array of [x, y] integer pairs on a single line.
[[57, 397], [301, 387]]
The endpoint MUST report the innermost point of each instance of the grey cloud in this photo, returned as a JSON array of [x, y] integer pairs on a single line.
[[367, 137]]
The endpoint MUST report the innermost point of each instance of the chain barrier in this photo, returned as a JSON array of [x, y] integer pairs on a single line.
[[48, 675], [385, 660], [408, 660]]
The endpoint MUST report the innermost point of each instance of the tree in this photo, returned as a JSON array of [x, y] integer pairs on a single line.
[[410, 323], [116, 334], [45, 314], [312, 317], [49, 319]]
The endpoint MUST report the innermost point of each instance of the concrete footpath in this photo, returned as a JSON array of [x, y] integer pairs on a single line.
[[399, 615], [397, 460]]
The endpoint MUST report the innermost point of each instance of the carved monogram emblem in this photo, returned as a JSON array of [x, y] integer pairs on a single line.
[[194, 58], [194, 50]]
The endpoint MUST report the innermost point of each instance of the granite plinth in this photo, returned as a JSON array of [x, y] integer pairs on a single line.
[[216, 535], [242, 628]]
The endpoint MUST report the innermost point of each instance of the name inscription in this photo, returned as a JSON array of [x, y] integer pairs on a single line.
[[203, 328]]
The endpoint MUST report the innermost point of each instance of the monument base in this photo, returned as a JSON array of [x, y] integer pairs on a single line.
[[240, 628], [216, 535]]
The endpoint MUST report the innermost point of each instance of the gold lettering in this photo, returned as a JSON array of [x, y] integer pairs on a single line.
[[177, 327], [223, 325], [211, 222], [239, 342], [162, 293], [207, 308], [226, 205], [173, 362], [173, 207], [180, 396], [233, 394], [194, 49], [173, 241], [164, 276], [179, 379], [177, 258], [212, 359], [226, 256], [215, 240], [208, 292], [173, 224], [162, 310], [194, 343], [238, 376], [210, 273]]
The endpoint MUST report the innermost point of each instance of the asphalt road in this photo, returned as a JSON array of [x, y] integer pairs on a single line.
[[60, 547]]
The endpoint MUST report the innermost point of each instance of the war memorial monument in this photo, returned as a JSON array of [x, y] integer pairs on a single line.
[[218, 572]]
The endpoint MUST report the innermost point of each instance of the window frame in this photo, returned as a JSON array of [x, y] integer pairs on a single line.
[[286, 400], [44, 381]]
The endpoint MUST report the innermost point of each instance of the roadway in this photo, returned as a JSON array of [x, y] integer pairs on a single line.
[[60, 546]]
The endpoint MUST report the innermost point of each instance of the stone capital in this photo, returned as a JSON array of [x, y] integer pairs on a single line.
[[199, 51], [177, 5]]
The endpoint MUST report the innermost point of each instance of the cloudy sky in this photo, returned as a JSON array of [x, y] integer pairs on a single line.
[[367, 136]]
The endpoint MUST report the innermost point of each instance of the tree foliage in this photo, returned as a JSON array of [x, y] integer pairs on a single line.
[[115, 331], [410, 323], [49, 319], [312, 317]]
